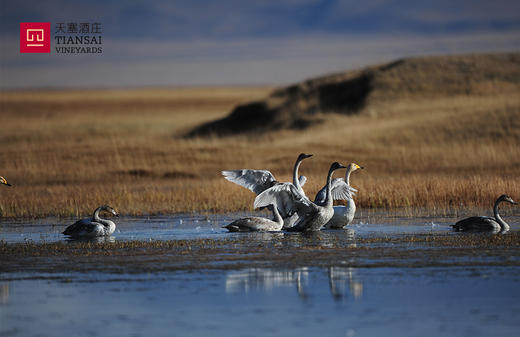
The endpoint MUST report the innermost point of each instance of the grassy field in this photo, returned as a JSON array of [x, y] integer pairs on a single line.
[[66, 152]]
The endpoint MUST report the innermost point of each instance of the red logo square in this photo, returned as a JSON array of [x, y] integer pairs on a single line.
[[35, 37]]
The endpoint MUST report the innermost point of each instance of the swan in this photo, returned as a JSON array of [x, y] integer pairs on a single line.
[[3, 181], [257, 224], [286, 196], [486, 223], [94, 226], [343, 215], [258, 181]]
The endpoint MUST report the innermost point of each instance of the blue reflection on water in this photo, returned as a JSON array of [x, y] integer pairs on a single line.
[[336, 301]]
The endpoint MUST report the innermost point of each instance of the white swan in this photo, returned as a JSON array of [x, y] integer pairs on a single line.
[[343, 215], [94, 226], [258, 181], [3, 181], [486, 223], [257, 224], [286, 196]]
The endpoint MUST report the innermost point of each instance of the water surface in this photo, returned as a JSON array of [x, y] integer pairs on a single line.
[[203, 226], [267, 302], [383, 276]]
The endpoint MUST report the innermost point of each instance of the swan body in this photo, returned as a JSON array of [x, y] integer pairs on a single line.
[[343, 215], [94, 226], [286, 196], [257, 224], [486, 223], [258, 181], [3, 181]]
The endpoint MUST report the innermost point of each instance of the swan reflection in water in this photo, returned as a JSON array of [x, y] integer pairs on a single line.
[[342, 281], [342, 277], [4, 293]]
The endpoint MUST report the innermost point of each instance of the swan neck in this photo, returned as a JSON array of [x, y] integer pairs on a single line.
[[328, 198], [347, 176], [501, 222], [95, 216], [296, 180]]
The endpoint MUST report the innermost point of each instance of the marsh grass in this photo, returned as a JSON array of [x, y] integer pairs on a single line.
[[67, 152]]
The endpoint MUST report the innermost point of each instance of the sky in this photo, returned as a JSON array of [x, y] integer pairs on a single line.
[[236, 42]]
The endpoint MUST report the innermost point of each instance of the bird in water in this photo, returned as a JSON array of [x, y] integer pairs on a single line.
[[3, 181], [258, 181], [486, 223], [94, 226], [343, 215], [258, 224], [312, 217]]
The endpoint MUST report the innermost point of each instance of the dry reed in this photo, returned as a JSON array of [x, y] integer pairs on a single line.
[[66, 152]]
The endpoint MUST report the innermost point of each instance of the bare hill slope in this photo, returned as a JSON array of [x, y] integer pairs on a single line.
[[353, 92]]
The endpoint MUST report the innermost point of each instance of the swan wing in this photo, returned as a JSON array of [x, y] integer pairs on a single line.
[[287, 198], [476, 222], [339, 190], [83, 226], [256, 181]]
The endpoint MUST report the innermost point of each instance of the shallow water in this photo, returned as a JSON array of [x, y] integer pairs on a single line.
[[187, 227], [473, 294]]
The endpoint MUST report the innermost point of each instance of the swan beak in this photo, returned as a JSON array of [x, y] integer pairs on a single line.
[[307, 155], [514, 203], [8, 184]]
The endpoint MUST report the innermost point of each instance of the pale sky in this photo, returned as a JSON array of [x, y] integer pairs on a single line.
[[177, 43]]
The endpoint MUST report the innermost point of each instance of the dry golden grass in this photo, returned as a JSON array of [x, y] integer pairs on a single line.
[[66, 152]]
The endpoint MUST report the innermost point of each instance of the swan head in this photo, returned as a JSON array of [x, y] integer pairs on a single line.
[[3, 181], [109, 209], [506, 198], [303, 156], [353, 167], [336, 166]]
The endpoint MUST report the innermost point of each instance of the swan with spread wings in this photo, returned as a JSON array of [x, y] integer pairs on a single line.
[[258, 181], [312, 216]]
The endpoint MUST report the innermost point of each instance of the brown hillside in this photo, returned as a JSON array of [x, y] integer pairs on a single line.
[[302, 104]]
